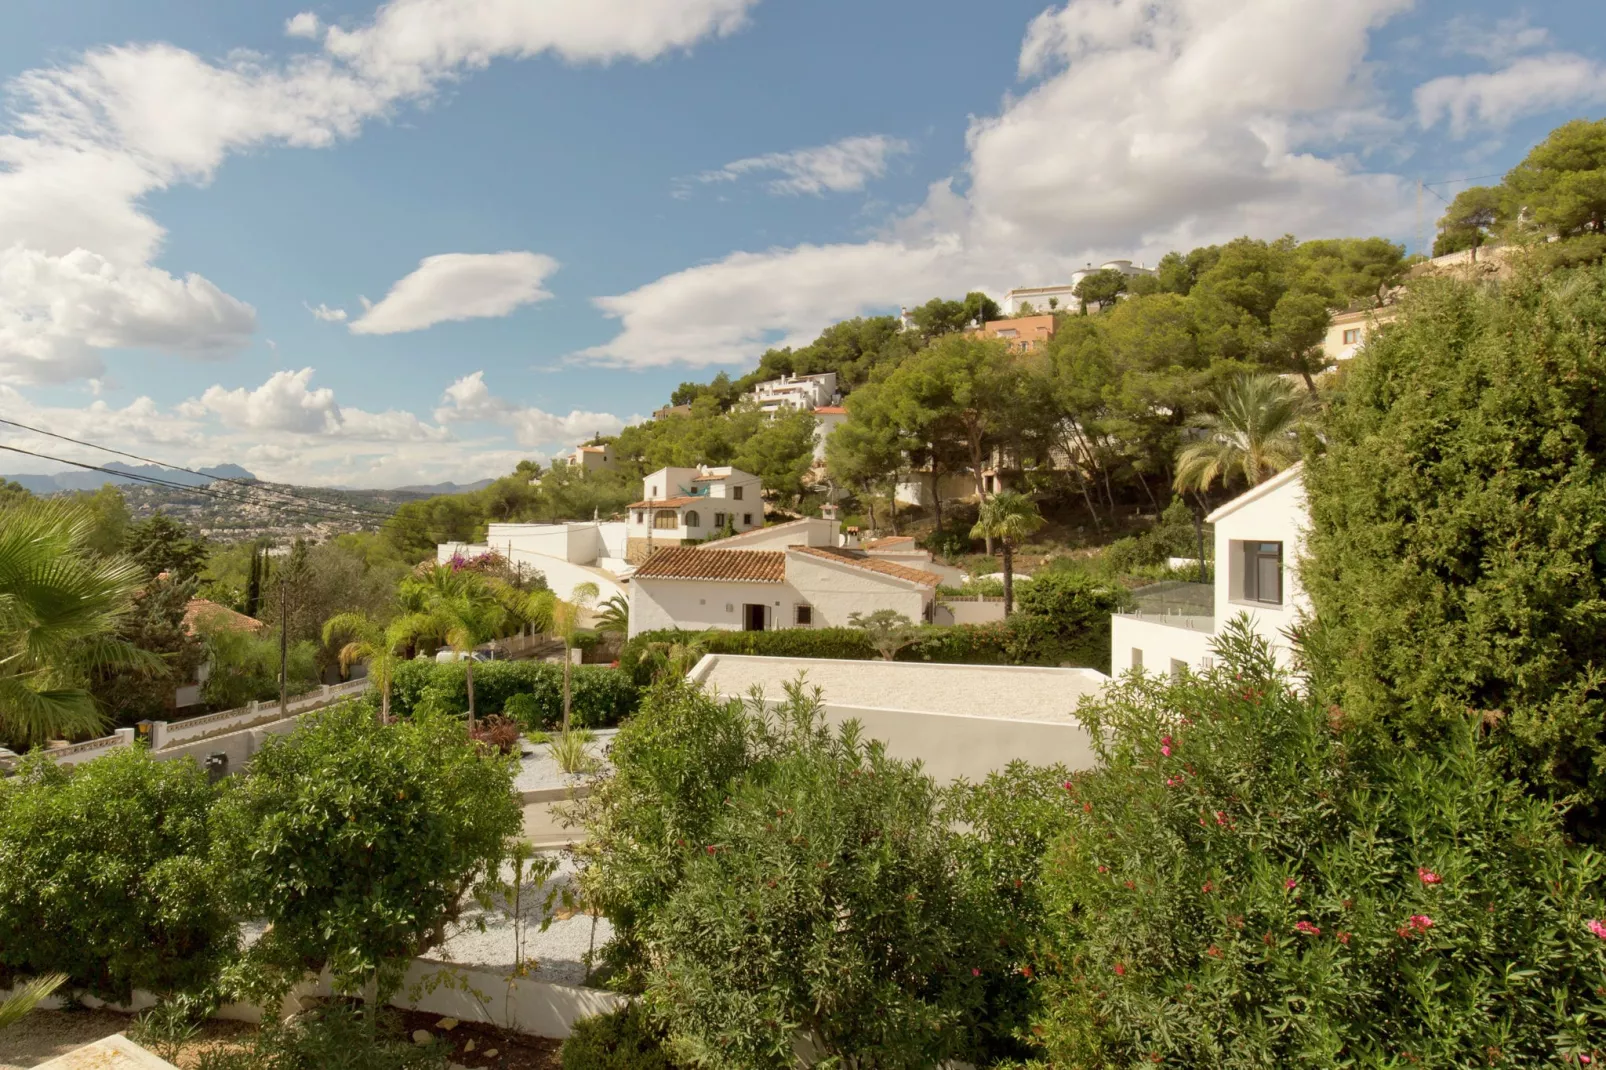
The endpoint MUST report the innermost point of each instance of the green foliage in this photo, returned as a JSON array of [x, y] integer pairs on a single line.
[[155, 624], [1468, 221], [160, 544], [1250, 881], [357, 842], [1064, 618], [333, 1036], [1251, 436], [624, 1039], [1100, 288], [888, 630], [105, 876], [779, 876], [1562, 182], [530, 692], [61, 609], [16, 1006], [1173, 536], [1454, 560], [245, 667]]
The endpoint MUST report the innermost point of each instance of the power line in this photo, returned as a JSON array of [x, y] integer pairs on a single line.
[[254, 486], [170, 485], [1453, 181]]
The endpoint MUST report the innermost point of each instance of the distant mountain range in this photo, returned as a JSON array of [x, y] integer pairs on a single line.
[[83, 479]]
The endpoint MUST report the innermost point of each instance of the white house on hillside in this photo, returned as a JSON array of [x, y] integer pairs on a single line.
[[1258, 541], [1062, 297], [804, 392], [1348, 331], [592, 458], [762, 590], [690, 505]]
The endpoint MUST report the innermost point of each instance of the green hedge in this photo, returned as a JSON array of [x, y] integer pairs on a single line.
[[600, 697]]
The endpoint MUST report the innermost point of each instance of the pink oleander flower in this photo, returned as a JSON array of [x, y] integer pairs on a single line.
[[1166, 750], [1067, 786], [975, 972], [1597, 927], [1427, 876], [1208, 888], [1290, 884], [1120, 970], [1307, 928]]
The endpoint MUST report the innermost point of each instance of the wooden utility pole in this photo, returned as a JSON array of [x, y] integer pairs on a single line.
[[284, 651]]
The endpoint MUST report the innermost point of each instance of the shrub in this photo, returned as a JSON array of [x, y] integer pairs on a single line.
[[1065, 618], [529, 692], [775, 876], [621, 1040], [499, 733], [1455, 558], [358, 841], [333, 1035], [104, 876], [849, 644], [1250, 881]]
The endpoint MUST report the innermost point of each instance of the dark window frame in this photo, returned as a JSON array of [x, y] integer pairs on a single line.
[[1258, 556]]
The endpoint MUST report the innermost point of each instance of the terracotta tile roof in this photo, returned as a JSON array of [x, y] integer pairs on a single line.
[[832, 410], [869, 564], [200, 612], [896, 542], [691, 563], [670, 503]]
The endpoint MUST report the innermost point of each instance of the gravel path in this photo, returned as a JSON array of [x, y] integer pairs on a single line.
[[558, 954], [540, 771]]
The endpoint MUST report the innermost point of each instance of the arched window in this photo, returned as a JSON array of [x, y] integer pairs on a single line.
[[692, 519], [665, 519]]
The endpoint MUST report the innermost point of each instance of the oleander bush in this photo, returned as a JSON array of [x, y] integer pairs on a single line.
[[1250, 880], [600, 696], [625, 1039]]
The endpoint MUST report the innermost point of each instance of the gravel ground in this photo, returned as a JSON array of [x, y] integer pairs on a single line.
[[558, 954], [1007, 692], [540, 770]]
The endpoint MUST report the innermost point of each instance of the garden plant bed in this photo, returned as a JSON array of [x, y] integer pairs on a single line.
[[539, 771], [514, 1051]]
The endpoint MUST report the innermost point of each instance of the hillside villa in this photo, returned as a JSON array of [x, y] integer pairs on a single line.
[[592, 458], [1348, 331], [567, 554], [799, 393], [1258, 536], [691, 505]]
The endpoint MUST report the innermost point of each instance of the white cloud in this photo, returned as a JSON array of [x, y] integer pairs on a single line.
[[1141, 127], [459, 286], [1496, 41], [283, 403], [327, 314], [305, 24], [1527, 86], [469, 400], [88, 140], [841, 167]]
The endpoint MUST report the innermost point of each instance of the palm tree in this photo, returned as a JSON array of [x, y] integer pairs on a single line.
[[1008, 517], [1252, 433], [614, 615], [460, 608], [60, 609], [566, 622], [373, 642], [15, 1007]]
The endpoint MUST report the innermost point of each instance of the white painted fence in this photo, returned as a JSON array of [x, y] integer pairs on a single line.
[[165, 734]]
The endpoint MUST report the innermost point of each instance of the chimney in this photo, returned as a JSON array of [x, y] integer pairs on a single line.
[[850, 539]]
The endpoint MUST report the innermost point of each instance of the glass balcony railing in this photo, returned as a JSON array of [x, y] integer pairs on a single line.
[[1179, 605]]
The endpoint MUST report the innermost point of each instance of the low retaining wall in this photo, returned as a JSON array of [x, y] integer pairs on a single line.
[[469, 994]]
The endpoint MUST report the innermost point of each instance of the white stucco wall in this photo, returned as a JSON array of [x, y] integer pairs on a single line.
[[838, 591], [1277, 515], [953, 577], [813, 531], [1159, 645], [697, 605]]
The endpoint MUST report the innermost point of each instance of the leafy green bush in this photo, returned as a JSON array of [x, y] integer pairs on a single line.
[[1173, 535], [600, 696], [104, 876], [621, 1040], [849, 644], [1455, 558], [1251, 881], [332, 1035], [769, 875], [358, 841]]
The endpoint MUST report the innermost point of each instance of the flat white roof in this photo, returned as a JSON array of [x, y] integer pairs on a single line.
[[1003, 692]]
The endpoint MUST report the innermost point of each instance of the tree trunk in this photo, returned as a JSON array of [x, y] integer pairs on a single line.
[[936, 496], [974, 435], [470, 676], [1009, 578], [566, 663], [870, 504], [384, 703]]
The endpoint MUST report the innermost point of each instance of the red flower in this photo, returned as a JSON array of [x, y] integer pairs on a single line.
[[975, 972], [1427, 876], [1290, 884], [1597, 927], [711, 849], [1343, 938], [1208, 888], [1069, 786], [1120, 970], [1214, 951], [1307, 928], [1104, 869]]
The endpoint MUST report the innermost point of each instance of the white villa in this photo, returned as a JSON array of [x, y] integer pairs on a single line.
[[801, 586], [592, 458], [691, 505], [1062, 297], [1258, 536], [1348, 331], [800, 392], [567, 554]]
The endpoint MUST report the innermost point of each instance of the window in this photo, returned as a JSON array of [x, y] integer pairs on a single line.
[[803, 616], [1179, 669], [1137, 658], [736, 492], [640, 516], [692, 519], [1352, 336], [747, 519], [665, 521], [1008, 333], [719, 520], [652, 492], [1263, 573]]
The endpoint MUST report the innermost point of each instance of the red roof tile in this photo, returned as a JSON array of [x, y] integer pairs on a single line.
[[201, 613], [869, 564], [691, 563], [669, 503], [832, 410]]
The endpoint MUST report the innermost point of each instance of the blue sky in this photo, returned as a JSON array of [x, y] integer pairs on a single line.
[[558, 210]]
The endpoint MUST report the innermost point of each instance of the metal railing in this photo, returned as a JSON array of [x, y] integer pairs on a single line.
[[1176, 604]]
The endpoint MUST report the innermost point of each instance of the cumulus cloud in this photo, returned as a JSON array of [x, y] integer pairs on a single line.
[[469, 400], [1525, 87], [306, 24], [1496, 41], [283, 403], [458, 286], [841, 167], [327, 314], [1139, 128], [88, 140]]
